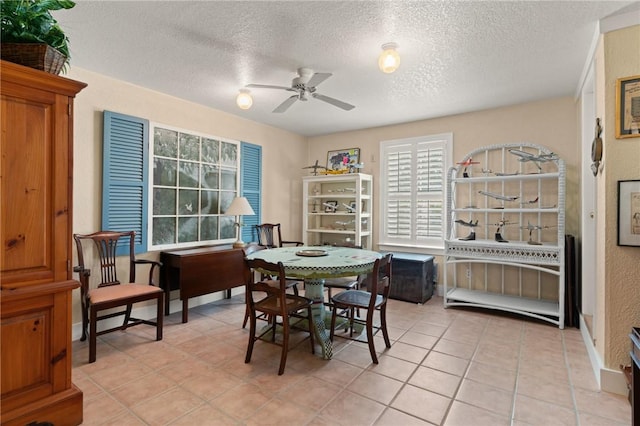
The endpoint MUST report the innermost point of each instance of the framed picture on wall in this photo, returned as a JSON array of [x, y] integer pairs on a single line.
[[628, 107], [629, 213], [343, 159]]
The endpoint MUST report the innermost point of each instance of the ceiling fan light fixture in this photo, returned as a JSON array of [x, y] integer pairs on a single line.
[[389, 59], [244, 99]]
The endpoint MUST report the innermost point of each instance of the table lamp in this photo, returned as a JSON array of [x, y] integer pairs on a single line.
[[239, 207]]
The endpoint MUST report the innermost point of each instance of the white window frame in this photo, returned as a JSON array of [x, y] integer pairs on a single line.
[[412, 243], [221, 216]]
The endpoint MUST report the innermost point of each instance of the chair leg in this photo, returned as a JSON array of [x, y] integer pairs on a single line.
[[252, 337], [334, 312], [351, 320], [383, 325], [246, 317], [127, 316], [85, 322], [372, 348], [295, 289], [92, 334], [285, 344], [160, 317]]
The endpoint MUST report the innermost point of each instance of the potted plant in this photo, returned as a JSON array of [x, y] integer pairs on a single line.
[[32, 37]]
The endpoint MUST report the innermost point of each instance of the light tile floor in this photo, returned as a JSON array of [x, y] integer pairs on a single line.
[[445, 367]]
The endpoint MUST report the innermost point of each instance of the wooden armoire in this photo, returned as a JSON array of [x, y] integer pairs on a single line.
[[36, 148]]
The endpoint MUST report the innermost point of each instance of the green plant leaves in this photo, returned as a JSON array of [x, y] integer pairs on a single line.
[[30, 21]]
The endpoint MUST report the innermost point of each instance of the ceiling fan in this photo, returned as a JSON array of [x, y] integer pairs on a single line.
[[303, 85]]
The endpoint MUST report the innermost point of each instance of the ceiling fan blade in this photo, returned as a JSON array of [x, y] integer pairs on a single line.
[[345, 106], [286, 104], [318, 78], [267, 86]]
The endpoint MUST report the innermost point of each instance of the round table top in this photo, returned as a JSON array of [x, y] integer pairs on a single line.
[[338, 261]]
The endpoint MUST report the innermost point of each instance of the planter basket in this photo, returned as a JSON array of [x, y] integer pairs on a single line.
[[34, 55]]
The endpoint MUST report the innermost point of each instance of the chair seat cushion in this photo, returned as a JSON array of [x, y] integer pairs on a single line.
[[356, 298], [271, 304], [122, 291], [347, 282]]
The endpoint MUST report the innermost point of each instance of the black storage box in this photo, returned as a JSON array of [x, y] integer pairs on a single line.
[[412, 277]]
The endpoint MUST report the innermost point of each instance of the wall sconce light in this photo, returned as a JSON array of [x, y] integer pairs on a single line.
[[389, 60], [244, 99]]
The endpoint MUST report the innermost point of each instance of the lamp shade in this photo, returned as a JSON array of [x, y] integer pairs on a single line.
[[239, 207], [389, 60], [244, 99]]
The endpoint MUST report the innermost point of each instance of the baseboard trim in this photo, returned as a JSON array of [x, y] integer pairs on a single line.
[[609, 380]]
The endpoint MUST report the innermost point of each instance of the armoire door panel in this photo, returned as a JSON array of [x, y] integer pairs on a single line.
[[29, 160]]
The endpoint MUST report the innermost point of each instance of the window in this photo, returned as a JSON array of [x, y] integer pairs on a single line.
[[413, 190], [194, 178], [171, 186]]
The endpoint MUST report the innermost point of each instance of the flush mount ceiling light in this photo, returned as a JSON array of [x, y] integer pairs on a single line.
[[244, 99], [389, 60]]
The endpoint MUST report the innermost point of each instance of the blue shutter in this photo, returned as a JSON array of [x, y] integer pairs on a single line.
[[250, 186], [124, 177]]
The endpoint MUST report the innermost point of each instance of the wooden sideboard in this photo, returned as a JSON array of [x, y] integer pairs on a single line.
[[36, 151], [200, 271]]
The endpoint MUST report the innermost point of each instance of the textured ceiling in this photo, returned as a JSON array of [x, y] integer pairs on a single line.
[[455, 56]]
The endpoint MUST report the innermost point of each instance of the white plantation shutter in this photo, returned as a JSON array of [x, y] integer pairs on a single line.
[[413, 176]]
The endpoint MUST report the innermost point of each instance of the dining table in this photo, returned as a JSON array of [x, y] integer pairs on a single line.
[[314, 264]]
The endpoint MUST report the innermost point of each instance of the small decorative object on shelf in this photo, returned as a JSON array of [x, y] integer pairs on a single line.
[[330, 206], [498, 266]]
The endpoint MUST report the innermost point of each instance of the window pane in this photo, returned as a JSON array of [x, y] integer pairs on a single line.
[[164, 201], [164, 230], [165, 143], [227, 227], [225, 200], [209, 202], [165, 172], [189, 147], [189, 173], [209, 177], [209, 228], [188, 204], [187, 229], [229, 179], [229, 154], [210, 150]]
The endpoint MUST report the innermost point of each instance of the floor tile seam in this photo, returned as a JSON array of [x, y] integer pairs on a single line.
[[389, 407], [521, 339], [570, 379], [466, 370], [172, 388], [390, 404]]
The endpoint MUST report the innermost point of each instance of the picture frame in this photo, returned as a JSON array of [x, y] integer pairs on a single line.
[[628, 107], [343, 160], [328, 206], [629, 213]]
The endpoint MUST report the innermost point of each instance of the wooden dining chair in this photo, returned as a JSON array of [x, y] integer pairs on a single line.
[[373, 299], [270, 236], [342, 283], [110, 293], [269, 296]]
